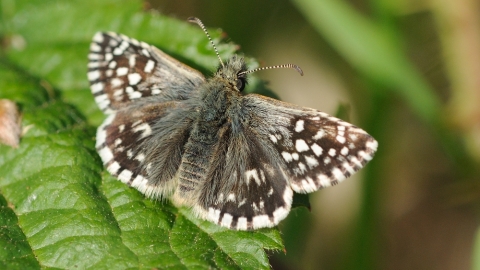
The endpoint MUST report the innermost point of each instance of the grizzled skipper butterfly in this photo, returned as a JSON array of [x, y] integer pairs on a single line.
[[234, 159]]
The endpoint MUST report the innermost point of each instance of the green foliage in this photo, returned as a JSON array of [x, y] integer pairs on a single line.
[[58, 208], [377, 50]]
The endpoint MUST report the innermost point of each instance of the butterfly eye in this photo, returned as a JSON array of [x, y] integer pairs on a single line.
[[240, 84]]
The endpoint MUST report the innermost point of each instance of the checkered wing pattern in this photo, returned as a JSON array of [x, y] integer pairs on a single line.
[[142, 145], [280, 148], [316, 150], [123, 69], [235, 160]]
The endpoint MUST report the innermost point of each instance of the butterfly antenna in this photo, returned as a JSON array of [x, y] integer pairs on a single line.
[[297, 68], [199, 22]]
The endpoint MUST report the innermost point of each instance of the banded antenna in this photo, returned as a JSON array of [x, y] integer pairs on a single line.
[[297, 68], [199, 22]]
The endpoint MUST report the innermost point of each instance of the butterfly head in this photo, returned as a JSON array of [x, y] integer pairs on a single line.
[[234, 72]]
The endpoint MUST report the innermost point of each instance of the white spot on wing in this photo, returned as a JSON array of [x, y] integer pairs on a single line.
[[101, 133], [213, 214], [121, 71], [301, 145], [302, 167], [132, 61], [94, 47], [242, 223], [93, 64], [279, 214], [327, 160], [113, 168], [134, 42], [309, 185], [145, 128], [299, 126], [106, 154], [337, 173], [103, 105], [125, 176], [287, 156], [252, 174], [311, 161], [96, 87], [149, 66], [116, 82], [231, 197], [134, 95], [117, 142], [140, 183], [98, 37], [227, 220], [317, 150], [324, 180], [356, 162], [319, 135], [94, 56], [261, 222], [134, 78], [242, 202], [93, 75], [273, 138], [365, 155], [372, 145], [348, 168], [146, 53], [140, 157]]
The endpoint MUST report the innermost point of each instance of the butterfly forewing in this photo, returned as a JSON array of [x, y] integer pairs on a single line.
[[122, 69], [317, 150]]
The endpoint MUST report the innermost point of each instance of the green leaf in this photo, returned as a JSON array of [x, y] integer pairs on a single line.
[[58, 207]]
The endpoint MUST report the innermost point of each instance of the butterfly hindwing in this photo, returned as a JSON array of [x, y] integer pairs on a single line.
[[244, 190], [122, 69], [142, 145]]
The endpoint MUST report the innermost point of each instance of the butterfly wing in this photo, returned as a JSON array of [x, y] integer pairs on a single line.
[[316, 150], [142, 145], [276, 148], [244, 189], [123, 69]]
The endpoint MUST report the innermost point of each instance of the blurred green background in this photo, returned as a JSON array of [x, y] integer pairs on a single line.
[[410, 73]]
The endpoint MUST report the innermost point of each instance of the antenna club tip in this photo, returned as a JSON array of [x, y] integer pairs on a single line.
[[297, 68], [192, 19]]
